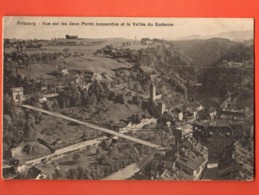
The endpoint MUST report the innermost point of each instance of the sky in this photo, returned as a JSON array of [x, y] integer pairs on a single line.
[[14, 27]]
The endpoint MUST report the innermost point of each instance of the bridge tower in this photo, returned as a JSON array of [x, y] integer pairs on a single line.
[[17, 94]]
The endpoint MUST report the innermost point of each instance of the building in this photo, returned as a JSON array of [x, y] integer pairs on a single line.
[[212, 112], [64, 72], [237, 162], [215, 138], [152, 91], [161, 108], [232, 115], [17, 94], [189, 165], [191, 160], [186, 129], [244, 157], [180, 116], [137, 126], [153, 78], [176, 114], [36, 173]]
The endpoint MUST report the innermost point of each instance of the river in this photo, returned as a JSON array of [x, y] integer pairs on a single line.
[[128, 171]]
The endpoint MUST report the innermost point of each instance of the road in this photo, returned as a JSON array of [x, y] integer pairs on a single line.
[[129, 171], [105, 130], [60, 152]]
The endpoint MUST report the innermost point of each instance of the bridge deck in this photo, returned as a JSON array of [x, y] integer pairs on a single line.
[[105, 130]]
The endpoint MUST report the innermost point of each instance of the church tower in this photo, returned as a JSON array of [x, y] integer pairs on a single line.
[[152, 91]]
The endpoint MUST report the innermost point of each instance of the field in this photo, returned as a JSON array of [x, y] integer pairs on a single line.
[[60, 133], [103, 112], [86, 61], [66, 162]]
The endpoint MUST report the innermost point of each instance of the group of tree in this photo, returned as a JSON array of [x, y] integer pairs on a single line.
[[98, 91], [21, 45], [18, 126], [110, 158]]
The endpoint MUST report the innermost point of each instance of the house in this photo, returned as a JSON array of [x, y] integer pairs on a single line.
[[119, 126], [198, 106], [244, 157], [180, 116], [64, 72], [166, 175], [233, 115], [168, 124], [196, 147], [238, 163], [215, 138], [185, 129], [189, 164], [171, 141], [175, 113], [43, 99], [35, 173], [9, 171], [17, 94], [212, 112], [191, 111]]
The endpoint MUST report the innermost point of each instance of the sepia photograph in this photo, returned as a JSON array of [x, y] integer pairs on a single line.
[[128, 98]]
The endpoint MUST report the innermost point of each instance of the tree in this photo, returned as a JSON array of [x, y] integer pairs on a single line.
[[29, 133], [62, 99], [137, 87], [57, 174], [55, 105], [76, 157], [98, 89], [72, 174], [119, 99], [91, 100], [84, 97], [111, 96], [7, 105], [75, 96], [66, 50], [137, 100]]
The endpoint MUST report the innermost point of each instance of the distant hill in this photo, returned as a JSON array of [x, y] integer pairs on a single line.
[[236, 35], [233, 36]]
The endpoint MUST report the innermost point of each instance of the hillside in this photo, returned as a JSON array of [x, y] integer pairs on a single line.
[[204, 52], [242, 52]]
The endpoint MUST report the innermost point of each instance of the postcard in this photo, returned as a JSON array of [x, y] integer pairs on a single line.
[[120, 98]]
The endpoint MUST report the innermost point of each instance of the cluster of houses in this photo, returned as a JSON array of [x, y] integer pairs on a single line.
[[237, 162], [187, 163], [137, 126], [217, 138]]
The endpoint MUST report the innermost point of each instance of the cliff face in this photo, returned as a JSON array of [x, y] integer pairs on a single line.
[[208, 62], [163, 53], [173, 67], [204, 52]]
